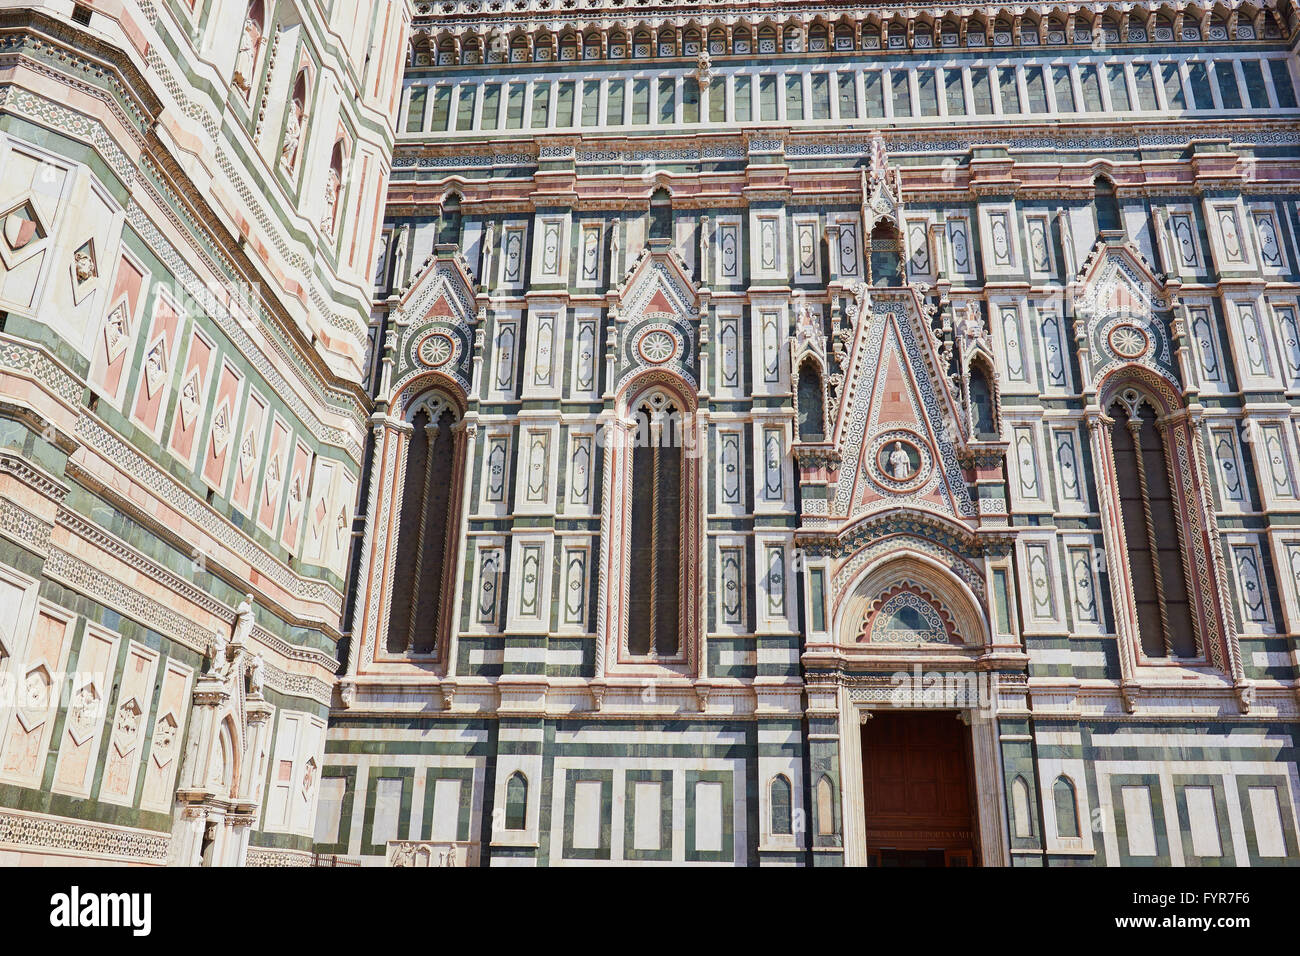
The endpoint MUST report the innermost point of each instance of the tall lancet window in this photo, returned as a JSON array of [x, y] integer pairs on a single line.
[[654, 601], [424, 545], [812, 412], [1151, 531]]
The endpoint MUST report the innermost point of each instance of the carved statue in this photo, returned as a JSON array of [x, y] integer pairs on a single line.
[[220, 664], [900, 463], [332, 184], [244, 620], [704, 71], [255, 676], [84, 265], [292, 134], [970, 328], [246, 58]]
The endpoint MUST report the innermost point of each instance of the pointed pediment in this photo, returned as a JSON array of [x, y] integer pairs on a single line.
[[1115, 277], [657, 316], [434, 321], [896, 434], [1125, 310], [442, 289], [658, 284]]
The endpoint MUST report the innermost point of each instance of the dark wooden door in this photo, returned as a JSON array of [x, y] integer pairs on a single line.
[[917, 789]]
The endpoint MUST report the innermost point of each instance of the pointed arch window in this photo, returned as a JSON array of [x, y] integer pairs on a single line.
[[1152, 532], [1067, 808], [812, 412], [425, 550], [1021, 822], [781, 794], [517, 801], [655, 557], [984, 423]]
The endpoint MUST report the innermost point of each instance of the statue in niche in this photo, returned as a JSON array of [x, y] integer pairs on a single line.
[[84, 264], [900, 463], [292, 134], [246, 58], [255, 676], [332, 185]]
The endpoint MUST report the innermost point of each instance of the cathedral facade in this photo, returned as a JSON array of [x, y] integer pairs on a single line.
[[471, 433]]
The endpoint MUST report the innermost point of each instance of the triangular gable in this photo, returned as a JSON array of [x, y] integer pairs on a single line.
[[434, 321], [1116, 277], [442, 291], [895, 434], [658, 285]]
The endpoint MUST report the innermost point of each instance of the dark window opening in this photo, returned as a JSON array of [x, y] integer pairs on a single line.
[[1151, 535], [655, 554]]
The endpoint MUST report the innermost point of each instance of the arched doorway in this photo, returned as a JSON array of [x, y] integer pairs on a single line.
[[920, 755]]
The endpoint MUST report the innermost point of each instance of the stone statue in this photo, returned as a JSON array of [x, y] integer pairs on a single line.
[[970, 327], [292, 134], [84, 265], [900, 463], [704, 71], [220, 664], [332, 184], [247, 55], [244, 620], [255, 676]]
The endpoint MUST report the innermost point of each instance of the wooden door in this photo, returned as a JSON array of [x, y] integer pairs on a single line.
[[917, 789]]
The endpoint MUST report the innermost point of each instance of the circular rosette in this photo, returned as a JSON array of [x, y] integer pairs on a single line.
[[657, 346], [437, 349], [1128, 341]]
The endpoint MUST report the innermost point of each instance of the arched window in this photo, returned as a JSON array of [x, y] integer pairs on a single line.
[[1105, 205], [781, 794], [517, 801], [1067, 808], [1151, 531], [825, 807], [1021, 820], [449, 224], [886, 255], [812, 415], [984, 423], [654, 601], [661, 215], [423, 545]]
